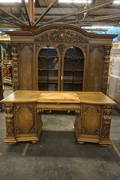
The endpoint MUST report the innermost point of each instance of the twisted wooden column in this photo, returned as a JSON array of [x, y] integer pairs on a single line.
[[15, 68]]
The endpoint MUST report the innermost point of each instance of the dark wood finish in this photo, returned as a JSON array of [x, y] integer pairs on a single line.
[[93, 114], [91, 74]]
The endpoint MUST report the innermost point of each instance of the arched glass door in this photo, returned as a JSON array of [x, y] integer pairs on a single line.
[[48, 69], [73, 70]]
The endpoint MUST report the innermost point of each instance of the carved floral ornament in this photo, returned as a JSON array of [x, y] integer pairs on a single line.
[[61, 35]]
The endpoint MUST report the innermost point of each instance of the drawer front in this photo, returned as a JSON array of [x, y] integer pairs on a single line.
[[59, 106]]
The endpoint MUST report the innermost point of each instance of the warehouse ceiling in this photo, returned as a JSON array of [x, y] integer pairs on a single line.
[[38, 13]]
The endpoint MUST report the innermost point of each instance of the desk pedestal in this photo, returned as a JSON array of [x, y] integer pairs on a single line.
[[93, 124], [22, 123]]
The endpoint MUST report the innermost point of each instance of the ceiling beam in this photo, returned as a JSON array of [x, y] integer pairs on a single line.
[[86, 14], [14, 17], [94, 19], [20, 12], [8, 21], [23, 1], [53, 2], [92, 8]]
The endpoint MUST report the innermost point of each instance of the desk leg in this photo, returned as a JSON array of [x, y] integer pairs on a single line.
[[10, 136]]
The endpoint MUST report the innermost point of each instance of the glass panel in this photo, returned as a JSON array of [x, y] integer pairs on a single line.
[[73, 69], [48, 69]]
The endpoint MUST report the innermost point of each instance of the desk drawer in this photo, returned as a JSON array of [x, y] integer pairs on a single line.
[[59, 106]]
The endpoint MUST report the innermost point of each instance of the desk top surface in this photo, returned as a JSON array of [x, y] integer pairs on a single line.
[[58, 97], [25, 96]]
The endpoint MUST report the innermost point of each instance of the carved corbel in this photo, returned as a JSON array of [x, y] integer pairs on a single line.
[[9, 119], [106, 121]]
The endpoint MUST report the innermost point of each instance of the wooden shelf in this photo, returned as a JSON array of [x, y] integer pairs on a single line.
[[75, 70], [47, 69]]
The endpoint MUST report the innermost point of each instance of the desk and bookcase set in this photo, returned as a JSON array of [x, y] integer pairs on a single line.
[[71, 63]]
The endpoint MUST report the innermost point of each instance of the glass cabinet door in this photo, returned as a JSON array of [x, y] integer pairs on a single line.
[[48, 69], [73, 70]]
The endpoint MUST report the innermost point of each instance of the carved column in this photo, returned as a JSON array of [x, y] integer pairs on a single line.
[[105, 136], [15, 68], [10, 137], [106, 62]]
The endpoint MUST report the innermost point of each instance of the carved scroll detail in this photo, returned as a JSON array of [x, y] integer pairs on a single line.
[[106, 121], [29, 106], [61, 35], [94, 47], [9, 120], [87, 107], [30, 46], [32, 130]]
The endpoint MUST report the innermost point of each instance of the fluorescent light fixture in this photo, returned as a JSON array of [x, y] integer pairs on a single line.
[[116, 2], [101, 26], [74, 1]]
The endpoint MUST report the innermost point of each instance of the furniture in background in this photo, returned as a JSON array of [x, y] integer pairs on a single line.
[[60, 57]]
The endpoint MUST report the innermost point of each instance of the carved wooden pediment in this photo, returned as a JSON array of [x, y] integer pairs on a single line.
[[61, 35]]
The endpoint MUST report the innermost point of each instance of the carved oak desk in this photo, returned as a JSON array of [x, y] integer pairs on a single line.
[[93, 114]]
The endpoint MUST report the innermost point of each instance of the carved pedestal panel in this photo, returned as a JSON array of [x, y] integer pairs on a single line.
[[28, 124], [87, 125], [93, 124], [22, 123]]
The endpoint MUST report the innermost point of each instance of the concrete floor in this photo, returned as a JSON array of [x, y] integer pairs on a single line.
[[58, 156]]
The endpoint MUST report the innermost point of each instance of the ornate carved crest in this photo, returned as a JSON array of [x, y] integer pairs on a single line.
[[61, 35]]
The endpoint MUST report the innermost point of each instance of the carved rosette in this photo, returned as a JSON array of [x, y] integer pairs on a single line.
[[106, 121], [61, 35], [105, 69], [9, 120], [15, 67]]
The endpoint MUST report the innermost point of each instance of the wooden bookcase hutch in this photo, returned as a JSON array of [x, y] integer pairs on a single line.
[[60, 57]]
